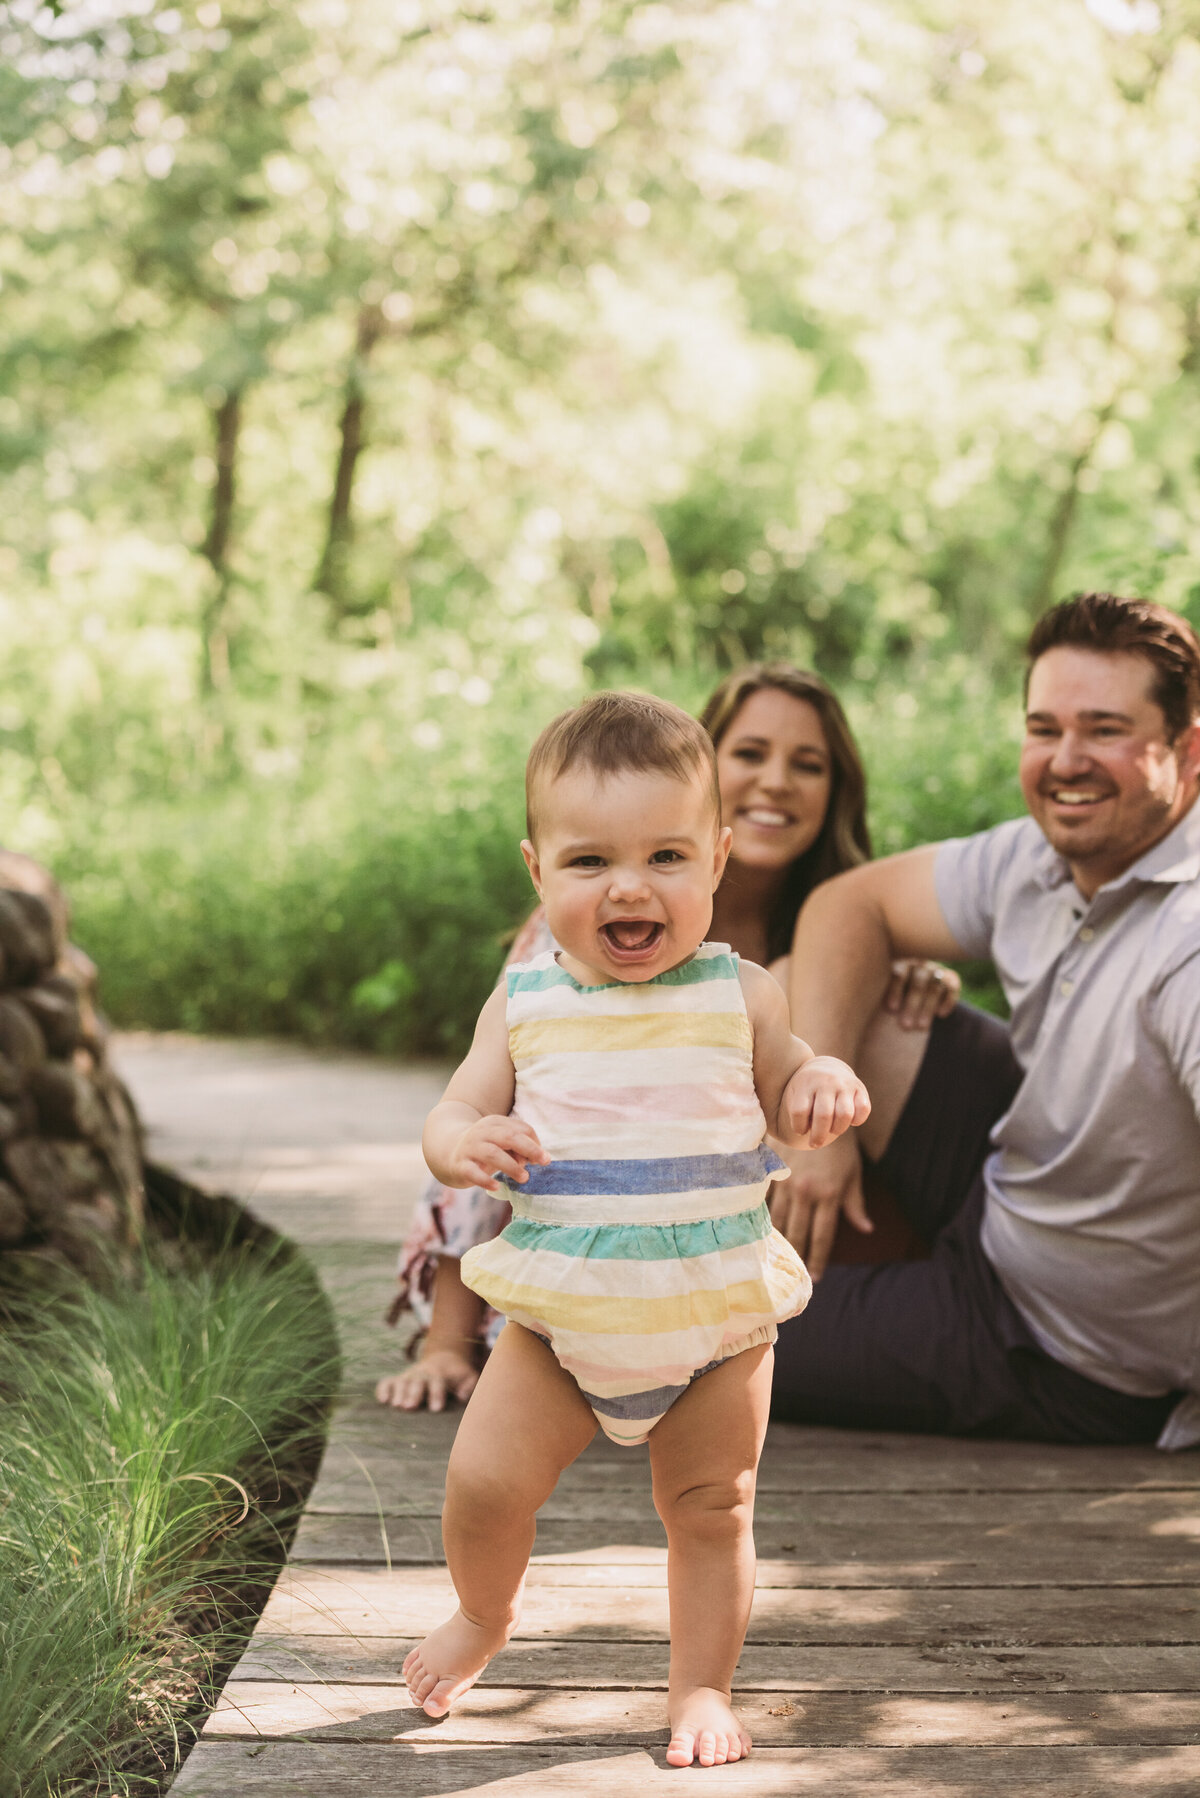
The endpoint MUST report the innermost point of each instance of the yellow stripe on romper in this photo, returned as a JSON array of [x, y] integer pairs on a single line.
[[654, 1030], [602, 1315]]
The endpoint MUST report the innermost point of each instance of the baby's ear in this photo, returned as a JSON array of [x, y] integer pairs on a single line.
[[721, 854], [532, 863]]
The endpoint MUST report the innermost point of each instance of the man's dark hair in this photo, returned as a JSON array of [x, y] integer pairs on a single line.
[[1108, 623]]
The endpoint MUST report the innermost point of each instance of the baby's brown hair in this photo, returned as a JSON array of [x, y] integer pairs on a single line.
[[618, 733]]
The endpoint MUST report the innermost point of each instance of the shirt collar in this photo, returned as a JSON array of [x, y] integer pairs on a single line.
[[1172, 860]]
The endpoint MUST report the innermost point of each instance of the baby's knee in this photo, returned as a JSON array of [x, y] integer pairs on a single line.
[[478, 1488], [712, 1509]]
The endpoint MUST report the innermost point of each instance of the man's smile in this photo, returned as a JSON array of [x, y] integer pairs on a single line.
[[1076, 796]]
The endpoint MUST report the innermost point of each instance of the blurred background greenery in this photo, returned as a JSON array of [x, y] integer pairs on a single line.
[[377, 375]]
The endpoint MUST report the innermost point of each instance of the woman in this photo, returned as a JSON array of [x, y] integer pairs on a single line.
[[793, 793]]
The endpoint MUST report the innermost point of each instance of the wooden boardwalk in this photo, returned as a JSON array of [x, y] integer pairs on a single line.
[[932, 1617]]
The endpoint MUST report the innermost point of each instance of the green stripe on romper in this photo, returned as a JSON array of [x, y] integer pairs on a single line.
[[642, 1242], [539, 980]]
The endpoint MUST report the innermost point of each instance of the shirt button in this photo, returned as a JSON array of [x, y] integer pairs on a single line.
[[1067, 988], [1086, 934]]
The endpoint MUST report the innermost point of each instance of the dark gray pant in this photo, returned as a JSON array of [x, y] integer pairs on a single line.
[[937, 1345]]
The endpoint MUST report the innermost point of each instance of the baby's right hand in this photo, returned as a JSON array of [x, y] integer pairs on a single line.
[[494, 1144]]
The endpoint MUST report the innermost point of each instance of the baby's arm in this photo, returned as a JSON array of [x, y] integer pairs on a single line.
[[469, 1133], [807, 1099]]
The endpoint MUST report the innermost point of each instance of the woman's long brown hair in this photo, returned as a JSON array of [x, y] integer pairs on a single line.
[[843, 841]]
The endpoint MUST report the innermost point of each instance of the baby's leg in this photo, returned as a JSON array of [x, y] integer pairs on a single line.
[[525, 1422], [704, 1454]]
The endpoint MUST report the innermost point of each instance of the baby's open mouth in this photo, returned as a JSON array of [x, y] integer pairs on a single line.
[[632, 936]]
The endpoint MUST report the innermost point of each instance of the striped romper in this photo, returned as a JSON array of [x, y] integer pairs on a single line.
[[643, 1251]]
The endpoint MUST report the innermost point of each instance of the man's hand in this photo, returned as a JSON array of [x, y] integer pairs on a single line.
[[440, 1373], [807, 1205], [493, 1145], [822, 1099]]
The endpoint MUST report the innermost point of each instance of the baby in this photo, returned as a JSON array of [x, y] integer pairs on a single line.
[[622, 1090]]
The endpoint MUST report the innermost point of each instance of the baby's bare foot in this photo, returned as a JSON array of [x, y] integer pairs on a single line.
[[449, 1661], [704, 1729]]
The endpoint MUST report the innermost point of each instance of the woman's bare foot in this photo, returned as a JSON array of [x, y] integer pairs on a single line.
[[704, 1729], [449, 1661]]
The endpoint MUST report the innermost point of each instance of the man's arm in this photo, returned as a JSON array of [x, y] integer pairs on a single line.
[[847, 935]]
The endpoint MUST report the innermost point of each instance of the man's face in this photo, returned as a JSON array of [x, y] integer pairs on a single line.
[[1097, 771]]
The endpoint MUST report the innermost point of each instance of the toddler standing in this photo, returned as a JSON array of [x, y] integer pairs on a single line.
[[622, 1090]]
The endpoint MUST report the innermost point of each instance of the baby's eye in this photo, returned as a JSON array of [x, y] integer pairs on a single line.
[[665, 856], [586, 861]]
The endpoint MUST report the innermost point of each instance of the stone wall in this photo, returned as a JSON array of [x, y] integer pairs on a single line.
[[70, 1146]]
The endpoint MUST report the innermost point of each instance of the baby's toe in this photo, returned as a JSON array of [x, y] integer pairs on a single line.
[[681, 1750], [706, 1749], [437, 1701]]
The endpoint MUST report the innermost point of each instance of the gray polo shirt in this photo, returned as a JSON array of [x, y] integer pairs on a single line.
[[1092, 1217]]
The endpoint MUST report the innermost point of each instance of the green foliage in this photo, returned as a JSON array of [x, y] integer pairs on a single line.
[[375, 377], [140, 1499], [338, 917]]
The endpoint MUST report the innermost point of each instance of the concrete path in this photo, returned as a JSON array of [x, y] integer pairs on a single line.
[[932, 1618]]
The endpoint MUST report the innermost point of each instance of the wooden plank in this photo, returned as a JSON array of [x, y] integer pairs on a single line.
[[367, 1602], [376, 1660], [1162, 1512], [301, 1769], [855, 1539], [625, 1718], [400, 1448]]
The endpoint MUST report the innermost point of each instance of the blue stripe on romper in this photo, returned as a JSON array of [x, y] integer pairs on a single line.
[[667, 1173]]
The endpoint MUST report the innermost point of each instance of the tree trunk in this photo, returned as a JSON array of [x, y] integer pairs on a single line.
[[227, 424], [329, 577], [1063, 517]]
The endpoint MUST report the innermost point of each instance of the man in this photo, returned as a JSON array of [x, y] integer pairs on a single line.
[[1054, 1167]]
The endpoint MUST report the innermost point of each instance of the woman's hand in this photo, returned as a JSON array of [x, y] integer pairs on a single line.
[[440, 1373], [451, 1353], [920, 991], [807, 1205]]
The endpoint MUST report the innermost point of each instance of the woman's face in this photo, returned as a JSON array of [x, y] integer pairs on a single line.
[[776, 778]]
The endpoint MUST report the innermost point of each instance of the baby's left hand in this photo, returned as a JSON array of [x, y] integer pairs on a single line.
[[820, 1101]]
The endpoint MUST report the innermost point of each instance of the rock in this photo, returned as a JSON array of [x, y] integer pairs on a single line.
[[68, 1103], [21, 1042], [26, 937], [14, 1224], [54, 1003], [12, 1080], [22, 874], [52, 1175]]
